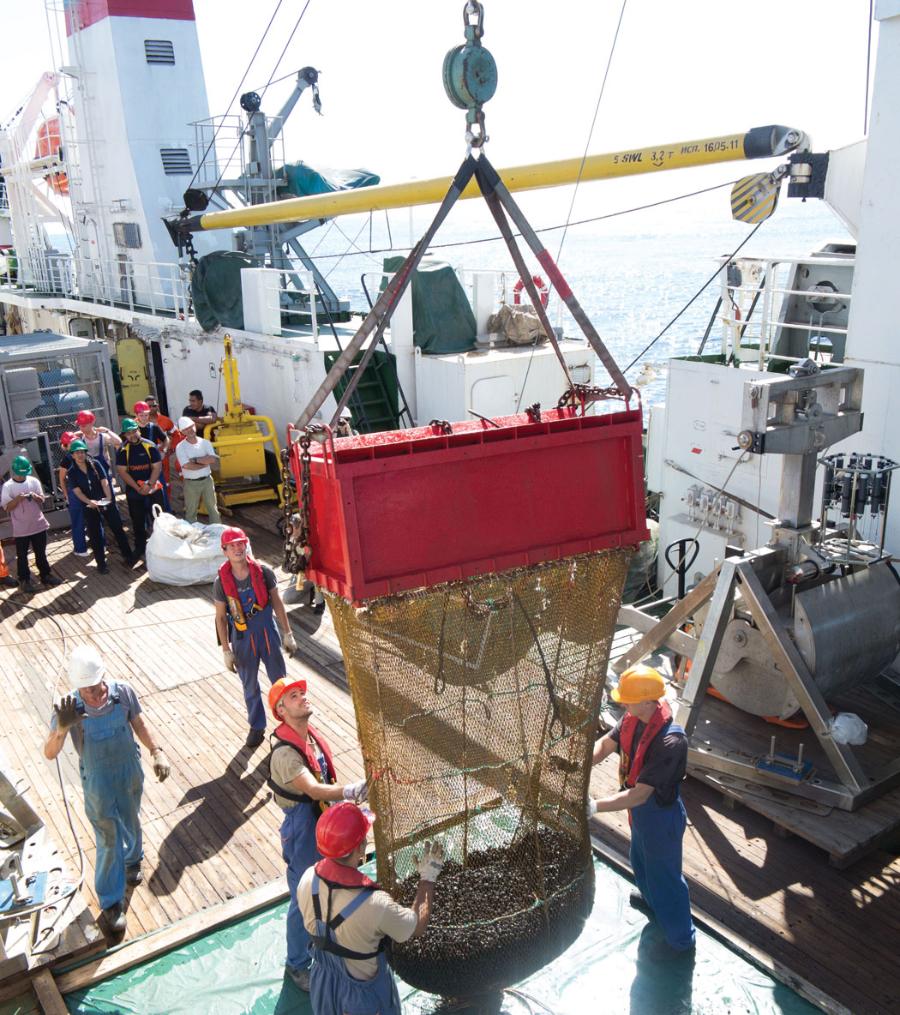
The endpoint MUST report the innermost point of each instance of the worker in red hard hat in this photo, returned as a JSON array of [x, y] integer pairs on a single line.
[[247, 605], [101, 442], [304, 781], [652, 764], [349, 917]]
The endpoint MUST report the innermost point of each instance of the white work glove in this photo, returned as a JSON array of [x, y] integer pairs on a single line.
[[228, 657], [289, 642], [358, 792], [161, 766], [591, 807], [430, 863]]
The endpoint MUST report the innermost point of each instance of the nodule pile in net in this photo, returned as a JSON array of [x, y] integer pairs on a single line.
[[476, 704]]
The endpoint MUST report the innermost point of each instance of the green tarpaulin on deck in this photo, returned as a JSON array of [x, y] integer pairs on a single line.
[[239, 971], [216, 289], [443, 321]]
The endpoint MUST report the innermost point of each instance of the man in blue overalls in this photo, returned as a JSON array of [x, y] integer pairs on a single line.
[[652, 763], [303, 779], [104, 717], [247, 605], [349, 917]]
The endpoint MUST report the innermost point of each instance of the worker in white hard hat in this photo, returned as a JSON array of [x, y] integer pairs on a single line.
[[652, 764], [197, 456], [104, 717], [345, 424]]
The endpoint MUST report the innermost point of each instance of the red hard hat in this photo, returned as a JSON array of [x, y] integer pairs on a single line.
[[341, 829], [233, 535], [65, 439], [84, 417], [141, 407], [279, 688]]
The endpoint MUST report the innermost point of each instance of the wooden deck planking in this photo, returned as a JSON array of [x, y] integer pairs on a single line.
[[211, 833]]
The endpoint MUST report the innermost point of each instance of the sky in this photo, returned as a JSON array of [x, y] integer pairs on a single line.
[[679, 71]]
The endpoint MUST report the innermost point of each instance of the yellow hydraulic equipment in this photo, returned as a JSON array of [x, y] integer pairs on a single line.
[[248, 471]]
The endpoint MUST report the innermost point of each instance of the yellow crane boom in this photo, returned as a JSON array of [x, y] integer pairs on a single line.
[[760, 142]]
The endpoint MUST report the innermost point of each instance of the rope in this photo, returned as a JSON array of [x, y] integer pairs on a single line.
[[695, 297], [612, 50], [231, 103]]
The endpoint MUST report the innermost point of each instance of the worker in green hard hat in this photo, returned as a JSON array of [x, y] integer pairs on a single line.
[[652, 764], [22, 496], [139, 464], [87, 481]]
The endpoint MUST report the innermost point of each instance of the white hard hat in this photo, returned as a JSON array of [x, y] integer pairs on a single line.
[[346, 413], [86, 668], [186, 421]]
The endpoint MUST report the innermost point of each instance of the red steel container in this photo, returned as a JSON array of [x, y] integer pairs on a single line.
[[408, 509]]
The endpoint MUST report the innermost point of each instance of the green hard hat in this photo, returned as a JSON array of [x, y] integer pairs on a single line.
[[21, 466], [78, 446], [128, 425]]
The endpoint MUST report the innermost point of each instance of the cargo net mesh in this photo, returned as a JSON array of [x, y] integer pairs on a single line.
[[476, 704]]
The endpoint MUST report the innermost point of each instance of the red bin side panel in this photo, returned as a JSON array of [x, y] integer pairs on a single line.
[[410, 509]]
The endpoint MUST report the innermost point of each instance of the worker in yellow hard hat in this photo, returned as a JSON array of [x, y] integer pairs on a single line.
[[652, 763]]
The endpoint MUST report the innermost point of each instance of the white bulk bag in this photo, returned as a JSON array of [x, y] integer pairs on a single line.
[[182, 553]]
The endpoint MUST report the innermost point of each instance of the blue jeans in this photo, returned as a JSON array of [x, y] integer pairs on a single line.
[[113, 782], [298, 850], [656, 837], [260, 643]]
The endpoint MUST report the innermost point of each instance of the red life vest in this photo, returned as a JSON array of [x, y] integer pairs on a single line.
[[233, 600], [631, 759], [338, 874], [284, 736]]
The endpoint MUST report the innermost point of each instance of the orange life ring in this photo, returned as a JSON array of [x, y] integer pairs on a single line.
[[539, 284], [48, 143]]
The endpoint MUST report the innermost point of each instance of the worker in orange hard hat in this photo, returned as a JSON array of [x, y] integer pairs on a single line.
[[247, 606], [652, 763], [349, 970], [302, 777]]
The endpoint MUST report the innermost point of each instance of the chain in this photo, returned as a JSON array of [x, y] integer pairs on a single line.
[[578, 394], [296, 522]]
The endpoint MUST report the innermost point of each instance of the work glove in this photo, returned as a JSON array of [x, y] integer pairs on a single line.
[[289, 642], [67, 714], [228, 657], [161, 766], [591, 807], [430, 863], [358, 792]]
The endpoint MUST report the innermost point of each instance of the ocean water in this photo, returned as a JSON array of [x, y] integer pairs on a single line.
[[632, 273]]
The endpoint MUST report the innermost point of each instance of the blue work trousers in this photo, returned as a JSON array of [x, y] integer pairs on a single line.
[[298, 850], [76, 517], [656, 838], [259, 643], [333, 991], [113, 782]]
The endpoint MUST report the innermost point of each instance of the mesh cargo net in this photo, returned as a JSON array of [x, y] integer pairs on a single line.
[[476, 704]]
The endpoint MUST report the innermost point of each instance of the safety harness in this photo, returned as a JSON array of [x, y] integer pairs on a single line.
[[337, 876], [285, 738], [631, 759], [233, 600]]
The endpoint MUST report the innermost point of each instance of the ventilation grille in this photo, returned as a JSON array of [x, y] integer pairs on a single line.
[[176, 161], [127, 235], [159, 51]]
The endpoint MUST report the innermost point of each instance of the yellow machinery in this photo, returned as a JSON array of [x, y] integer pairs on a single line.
[[248, 471]]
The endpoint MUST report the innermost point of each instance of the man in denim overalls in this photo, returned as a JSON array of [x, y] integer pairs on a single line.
[[103, 717]]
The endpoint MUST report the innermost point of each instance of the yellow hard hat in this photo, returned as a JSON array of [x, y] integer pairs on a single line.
[[637, 684]]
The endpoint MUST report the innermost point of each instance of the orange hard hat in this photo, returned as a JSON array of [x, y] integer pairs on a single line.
[[637, 684], [279, 688], [341, 829], [233, 535]]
